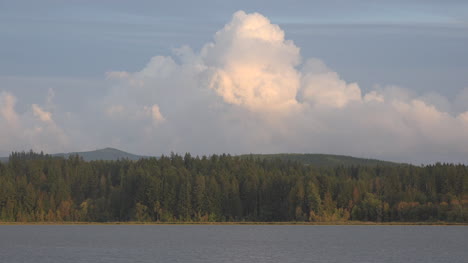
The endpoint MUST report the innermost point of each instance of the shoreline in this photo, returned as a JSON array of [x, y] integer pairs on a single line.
[[339, 223]]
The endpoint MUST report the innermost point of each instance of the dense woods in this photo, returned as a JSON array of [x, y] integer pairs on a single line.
[[38, 187]]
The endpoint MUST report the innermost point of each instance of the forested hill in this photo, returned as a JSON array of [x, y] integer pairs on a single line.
[[322, 160], [106, 154], [226, 188]]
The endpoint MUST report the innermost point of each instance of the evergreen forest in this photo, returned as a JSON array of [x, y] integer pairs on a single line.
[[223, 188]]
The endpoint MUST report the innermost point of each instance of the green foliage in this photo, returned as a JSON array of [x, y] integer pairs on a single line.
[[38, 187]]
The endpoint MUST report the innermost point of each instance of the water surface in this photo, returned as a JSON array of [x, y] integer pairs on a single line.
[[213, 243]]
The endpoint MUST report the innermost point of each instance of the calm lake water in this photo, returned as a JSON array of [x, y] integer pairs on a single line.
[[202, 243]]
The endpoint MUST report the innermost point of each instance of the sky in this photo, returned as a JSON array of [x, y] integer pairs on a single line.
[[373, 79]]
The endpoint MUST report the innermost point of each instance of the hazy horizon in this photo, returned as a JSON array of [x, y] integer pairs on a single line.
[[385, 81]]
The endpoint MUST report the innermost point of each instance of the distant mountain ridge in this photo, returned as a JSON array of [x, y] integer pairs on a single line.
[[106, 154], [323, 160]]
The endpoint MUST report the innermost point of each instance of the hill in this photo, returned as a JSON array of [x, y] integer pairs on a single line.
[[106, 154], [322, 160]]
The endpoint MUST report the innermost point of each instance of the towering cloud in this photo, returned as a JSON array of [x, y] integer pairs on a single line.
[[250, 91], [254, 66]]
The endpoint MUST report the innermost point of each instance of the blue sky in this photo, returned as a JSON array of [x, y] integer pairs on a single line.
[[68, 46]]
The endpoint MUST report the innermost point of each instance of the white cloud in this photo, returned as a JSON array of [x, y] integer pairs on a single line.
[[247, 91], [155, 113], [7, 108], [374, 96], [33, 129], [323, 87], [272, 103], [41, 114], [254, 66]]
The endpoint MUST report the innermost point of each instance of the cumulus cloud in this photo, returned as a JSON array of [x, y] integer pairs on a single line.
[[323, 87], [249, 90], [253, 65], [7, 108], [271, 102], [155, 113], [32, 129], [41, 114]]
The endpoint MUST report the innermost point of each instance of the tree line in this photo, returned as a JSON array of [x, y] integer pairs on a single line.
[[41, 188]]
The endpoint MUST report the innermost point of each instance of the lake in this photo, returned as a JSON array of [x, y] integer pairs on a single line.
[[221, 243]]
